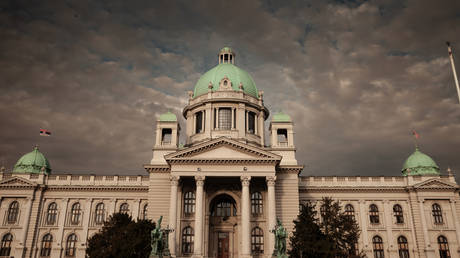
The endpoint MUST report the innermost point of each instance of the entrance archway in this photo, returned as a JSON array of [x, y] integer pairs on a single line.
[[223, 222]]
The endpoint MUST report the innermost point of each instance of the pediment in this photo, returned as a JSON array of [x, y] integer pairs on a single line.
[[223, 149], [16, 181], [435, 183]]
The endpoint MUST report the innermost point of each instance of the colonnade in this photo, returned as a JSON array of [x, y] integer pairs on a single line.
[[245, 248]]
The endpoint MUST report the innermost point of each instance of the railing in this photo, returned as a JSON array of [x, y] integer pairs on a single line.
[[8, 222], [94, 223], [73, 221], [49, 223]]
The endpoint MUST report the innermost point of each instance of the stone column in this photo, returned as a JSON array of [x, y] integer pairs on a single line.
[[61, 222], [245, 217], [87, 218], [387, 218], [424, 226], [455, 216], [173, 214], [26, 221], [271, 211], [198, 241], [363, 213], [233, 118]]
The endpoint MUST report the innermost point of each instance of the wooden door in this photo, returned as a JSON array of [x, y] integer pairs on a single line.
[[223, 245]]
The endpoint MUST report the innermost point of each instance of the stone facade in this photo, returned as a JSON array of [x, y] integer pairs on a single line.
[[223, 191]]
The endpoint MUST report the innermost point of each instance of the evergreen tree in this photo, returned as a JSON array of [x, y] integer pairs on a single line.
[[121, 237], [332, 236]]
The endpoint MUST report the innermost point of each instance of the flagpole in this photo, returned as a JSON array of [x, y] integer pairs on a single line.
[[451, 57]]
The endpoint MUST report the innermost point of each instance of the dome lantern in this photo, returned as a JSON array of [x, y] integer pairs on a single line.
[[226, 56]]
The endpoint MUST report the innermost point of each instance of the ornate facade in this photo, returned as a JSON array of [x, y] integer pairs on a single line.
[[224, 189]]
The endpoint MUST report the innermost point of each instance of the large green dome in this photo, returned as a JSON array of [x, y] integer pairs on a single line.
[[420, 164], [233, 73], [32, 162]]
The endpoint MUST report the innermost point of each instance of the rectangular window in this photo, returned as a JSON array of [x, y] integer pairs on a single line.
[[251, 122], [225, 118], [166, 134], [199, 122], [282, 137]]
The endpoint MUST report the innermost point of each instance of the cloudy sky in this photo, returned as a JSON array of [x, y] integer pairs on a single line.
[[356, 76]]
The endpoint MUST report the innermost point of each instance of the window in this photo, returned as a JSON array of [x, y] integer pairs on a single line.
[[256, 203], [403, 247], [437, 214], [70, 245], [5, 248], [282, 137], [350, 211], [223, 206], [51, 214], [187, 240], [251, 122], [124, 208], [225, 118], [257, 241], [199, 122], [443, 247], [100, 214], [75, 214], [46, 245], [144, 212], [398, 212], [374, 214], [189, 203], [377, 242], [166, 135], [13, 212]]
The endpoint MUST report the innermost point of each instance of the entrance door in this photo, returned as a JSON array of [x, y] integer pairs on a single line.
[[222, 245]]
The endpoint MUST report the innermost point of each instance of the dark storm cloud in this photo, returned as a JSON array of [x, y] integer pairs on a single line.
[[356, 76]]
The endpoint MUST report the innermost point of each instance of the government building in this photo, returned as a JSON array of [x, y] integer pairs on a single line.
[[223, 190]]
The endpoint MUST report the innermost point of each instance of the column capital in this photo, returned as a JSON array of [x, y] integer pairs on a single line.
[[245, 180], [271, 180], [200, 180], [174, 180]]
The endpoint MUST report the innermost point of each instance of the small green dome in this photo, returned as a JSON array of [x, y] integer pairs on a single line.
[[281, 117], [226, 50], [168, 117], [233, 73], [420, 164], [32, 162]]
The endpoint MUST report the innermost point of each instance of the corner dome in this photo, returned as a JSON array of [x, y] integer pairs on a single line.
[[32, 162], [418, 163], [168, 117], [226, 68], [281, 117]]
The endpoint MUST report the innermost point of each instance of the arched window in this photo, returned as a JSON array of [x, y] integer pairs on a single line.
[[257, 241], [374, 214], [443, 247], [437, 213], [75, 214], [189, 203], [256, 203], [403, 247], [144, 211], [377, 243], [187, 240], [223, 206], [398, 213], [350, 211], [51, 214], [124, 208], [46, 245], [13, 212], [70, 245], [5, 247], [100, 214]]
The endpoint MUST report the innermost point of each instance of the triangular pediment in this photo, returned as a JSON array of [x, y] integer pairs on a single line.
[[16, 181], [223, 149], [435, 183]]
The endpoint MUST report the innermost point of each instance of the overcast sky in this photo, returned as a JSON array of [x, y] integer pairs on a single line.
[[356, 77]]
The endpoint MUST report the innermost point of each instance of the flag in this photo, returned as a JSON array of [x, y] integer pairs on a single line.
[[415, 134], [44, 132]]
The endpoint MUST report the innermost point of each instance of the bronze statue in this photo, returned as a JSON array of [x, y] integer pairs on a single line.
[[157, 240], [280, 240]]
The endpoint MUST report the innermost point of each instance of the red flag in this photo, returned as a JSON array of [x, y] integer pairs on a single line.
[[415, 134], [44, 132]]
